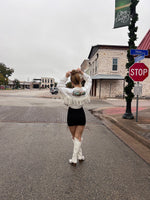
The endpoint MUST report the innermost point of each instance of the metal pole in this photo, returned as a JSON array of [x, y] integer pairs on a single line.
[[137, 99]]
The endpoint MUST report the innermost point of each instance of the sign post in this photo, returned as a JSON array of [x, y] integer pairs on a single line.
[[137, 92], [137, 102], [138, 72]]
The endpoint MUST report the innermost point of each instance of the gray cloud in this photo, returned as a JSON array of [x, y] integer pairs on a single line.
[[47, 37]]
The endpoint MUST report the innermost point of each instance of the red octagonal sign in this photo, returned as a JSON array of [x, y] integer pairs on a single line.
[[138, 72]]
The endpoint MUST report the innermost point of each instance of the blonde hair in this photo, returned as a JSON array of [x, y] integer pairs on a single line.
[[75, 77]]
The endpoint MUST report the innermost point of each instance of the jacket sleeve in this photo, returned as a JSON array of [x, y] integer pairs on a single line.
[[88, 82], [62, 87]]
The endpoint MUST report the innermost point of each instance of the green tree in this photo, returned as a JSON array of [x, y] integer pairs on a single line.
[[132, 38], [5, 71], [2, 79], [16, 83], [69, 85]]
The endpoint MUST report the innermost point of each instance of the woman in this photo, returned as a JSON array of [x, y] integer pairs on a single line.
[[75, 98]]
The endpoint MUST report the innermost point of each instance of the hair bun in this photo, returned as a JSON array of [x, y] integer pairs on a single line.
[[74, 72], [76, 77]]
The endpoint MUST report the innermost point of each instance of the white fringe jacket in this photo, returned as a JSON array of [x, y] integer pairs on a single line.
[[75, 97]]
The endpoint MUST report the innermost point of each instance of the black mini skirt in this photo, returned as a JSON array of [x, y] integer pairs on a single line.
[[76, 117]]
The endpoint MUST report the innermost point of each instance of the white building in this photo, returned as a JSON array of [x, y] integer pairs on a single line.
[[47, 82]]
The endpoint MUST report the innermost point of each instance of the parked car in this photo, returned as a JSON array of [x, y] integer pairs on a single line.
[[2, 87], [54, 90]]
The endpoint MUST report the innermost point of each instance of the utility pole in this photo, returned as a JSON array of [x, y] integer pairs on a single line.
[[132, 38]]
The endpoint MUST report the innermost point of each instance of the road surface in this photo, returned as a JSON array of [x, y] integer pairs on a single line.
[[35, 146]]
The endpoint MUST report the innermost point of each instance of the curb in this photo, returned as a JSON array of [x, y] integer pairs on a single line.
[[136, 142], [104, 117], [128, 131]]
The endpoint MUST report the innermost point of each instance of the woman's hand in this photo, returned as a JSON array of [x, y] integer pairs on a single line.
[[79, 70], [67, 74]]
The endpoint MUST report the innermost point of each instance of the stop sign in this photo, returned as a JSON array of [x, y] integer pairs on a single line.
[[138, 72]]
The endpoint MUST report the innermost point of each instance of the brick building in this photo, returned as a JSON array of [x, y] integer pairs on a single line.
[[106, 64], [107, 70], [145, 45]]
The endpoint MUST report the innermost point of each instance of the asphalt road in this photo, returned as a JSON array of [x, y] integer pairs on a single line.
[[35, 146]]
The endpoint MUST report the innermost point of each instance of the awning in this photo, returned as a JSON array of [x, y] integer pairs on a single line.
[[107, 77]]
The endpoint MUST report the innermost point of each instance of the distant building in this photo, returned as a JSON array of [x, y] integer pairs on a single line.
[[43, 82], [36, 83], [47, 82], [23, 84], [10, 83]]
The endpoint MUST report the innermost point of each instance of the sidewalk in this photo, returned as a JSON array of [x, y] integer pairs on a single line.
[[128, 130]]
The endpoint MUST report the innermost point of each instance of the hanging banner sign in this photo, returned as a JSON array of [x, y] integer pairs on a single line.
[[122, 13]]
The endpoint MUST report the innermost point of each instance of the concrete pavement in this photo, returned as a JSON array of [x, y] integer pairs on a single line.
[[35, 146], [129, 130]]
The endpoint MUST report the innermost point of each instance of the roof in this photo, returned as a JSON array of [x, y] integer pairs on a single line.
[[108, 77], [145, 43], [94, 49]]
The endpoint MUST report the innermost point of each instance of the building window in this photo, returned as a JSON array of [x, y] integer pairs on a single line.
[[115, 64]]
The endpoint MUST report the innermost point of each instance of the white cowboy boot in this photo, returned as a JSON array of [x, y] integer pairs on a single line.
[[80, 155], [77, 145]]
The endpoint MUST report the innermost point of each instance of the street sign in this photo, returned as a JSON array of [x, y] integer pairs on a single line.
[[138, 89], [139, 52], [138, 72], [137, 59]]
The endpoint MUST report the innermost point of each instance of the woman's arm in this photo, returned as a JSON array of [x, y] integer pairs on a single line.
[[88, 80], [62, 85]]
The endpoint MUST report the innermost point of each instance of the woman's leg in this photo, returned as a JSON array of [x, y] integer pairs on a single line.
[[72, 130], [78, 132], [78, 135]]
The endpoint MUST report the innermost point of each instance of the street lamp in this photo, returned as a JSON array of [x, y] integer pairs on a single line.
[[132, 38]]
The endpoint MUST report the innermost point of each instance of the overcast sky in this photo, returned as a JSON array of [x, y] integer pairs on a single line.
[[49, 37]]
